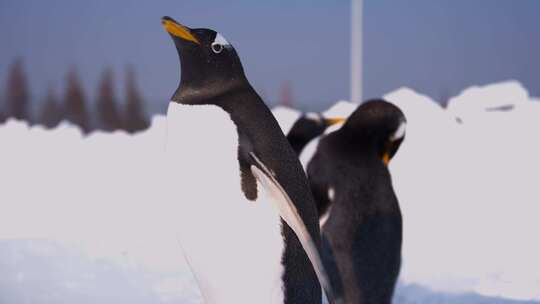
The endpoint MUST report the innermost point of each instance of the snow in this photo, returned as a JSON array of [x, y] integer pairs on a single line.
[[78, 210], [286, 117], [342, 108], [98, 195], [473, 102], [467, 192]]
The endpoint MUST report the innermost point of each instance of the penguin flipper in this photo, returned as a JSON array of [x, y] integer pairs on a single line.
[[288, 212]]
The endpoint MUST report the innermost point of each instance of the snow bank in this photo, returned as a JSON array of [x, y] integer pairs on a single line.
[[99, 196], [466, 179], [467, 192], [475, 102]]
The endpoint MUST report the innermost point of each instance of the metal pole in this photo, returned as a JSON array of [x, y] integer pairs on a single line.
[[356, 50]]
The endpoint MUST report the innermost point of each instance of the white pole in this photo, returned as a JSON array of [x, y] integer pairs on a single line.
[[356, 50]]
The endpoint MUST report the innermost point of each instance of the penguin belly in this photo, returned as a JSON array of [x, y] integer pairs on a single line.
[[233, 245]]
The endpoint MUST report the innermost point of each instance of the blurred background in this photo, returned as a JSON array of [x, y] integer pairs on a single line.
[[79, 221], [109, 64]]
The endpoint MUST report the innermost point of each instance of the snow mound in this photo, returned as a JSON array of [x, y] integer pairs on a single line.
[[467, 193], [466, 189], [466, 179], [341, 108], [474, 102]]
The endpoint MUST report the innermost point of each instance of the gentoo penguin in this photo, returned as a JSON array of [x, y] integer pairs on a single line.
[[306, 128], [247, 221], [360, 215]]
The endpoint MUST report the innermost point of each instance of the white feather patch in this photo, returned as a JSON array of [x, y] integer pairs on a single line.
[[221, 40], [221, 232], [309, 151], [324, 218], [400, 132], [331, 193]]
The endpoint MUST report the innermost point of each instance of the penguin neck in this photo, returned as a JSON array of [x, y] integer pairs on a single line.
[[207, 92], [201, 84], [363, 145]]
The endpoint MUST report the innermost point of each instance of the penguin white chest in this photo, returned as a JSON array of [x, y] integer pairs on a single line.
[[234, 245]]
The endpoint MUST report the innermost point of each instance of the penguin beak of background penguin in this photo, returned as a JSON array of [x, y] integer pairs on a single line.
[[176, 30], [333, 121]]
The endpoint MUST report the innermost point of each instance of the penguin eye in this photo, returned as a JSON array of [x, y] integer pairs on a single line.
[[217, 48]]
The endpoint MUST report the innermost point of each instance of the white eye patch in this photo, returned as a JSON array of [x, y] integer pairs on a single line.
[[221, 40], [219, 43], [400, 132], [331, 194]]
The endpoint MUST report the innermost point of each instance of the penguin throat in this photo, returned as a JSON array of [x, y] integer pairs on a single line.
[[205, 93]]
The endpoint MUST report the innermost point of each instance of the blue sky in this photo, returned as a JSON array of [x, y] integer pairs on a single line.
[[436, 47]]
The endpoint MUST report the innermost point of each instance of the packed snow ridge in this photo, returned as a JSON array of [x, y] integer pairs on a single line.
[[466, 178]]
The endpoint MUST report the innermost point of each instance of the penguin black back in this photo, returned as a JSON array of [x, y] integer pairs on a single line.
[[268, 142], [360, 216]]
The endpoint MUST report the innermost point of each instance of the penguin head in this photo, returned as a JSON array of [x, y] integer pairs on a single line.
[[377, 125], [311, 125], [208, 61]]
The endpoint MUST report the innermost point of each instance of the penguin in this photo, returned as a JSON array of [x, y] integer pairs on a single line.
[[247, 221], [308, 127], [359, 212]]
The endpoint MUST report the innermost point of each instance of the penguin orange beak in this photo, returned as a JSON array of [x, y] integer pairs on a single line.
[[333, 121], [177, 30], [386, 158]]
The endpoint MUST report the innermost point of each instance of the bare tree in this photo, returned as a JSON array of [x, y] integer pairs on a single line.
[[75, 110], [51, 110], [2, 115], [134, 113], [17, 92], [107, 112]]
